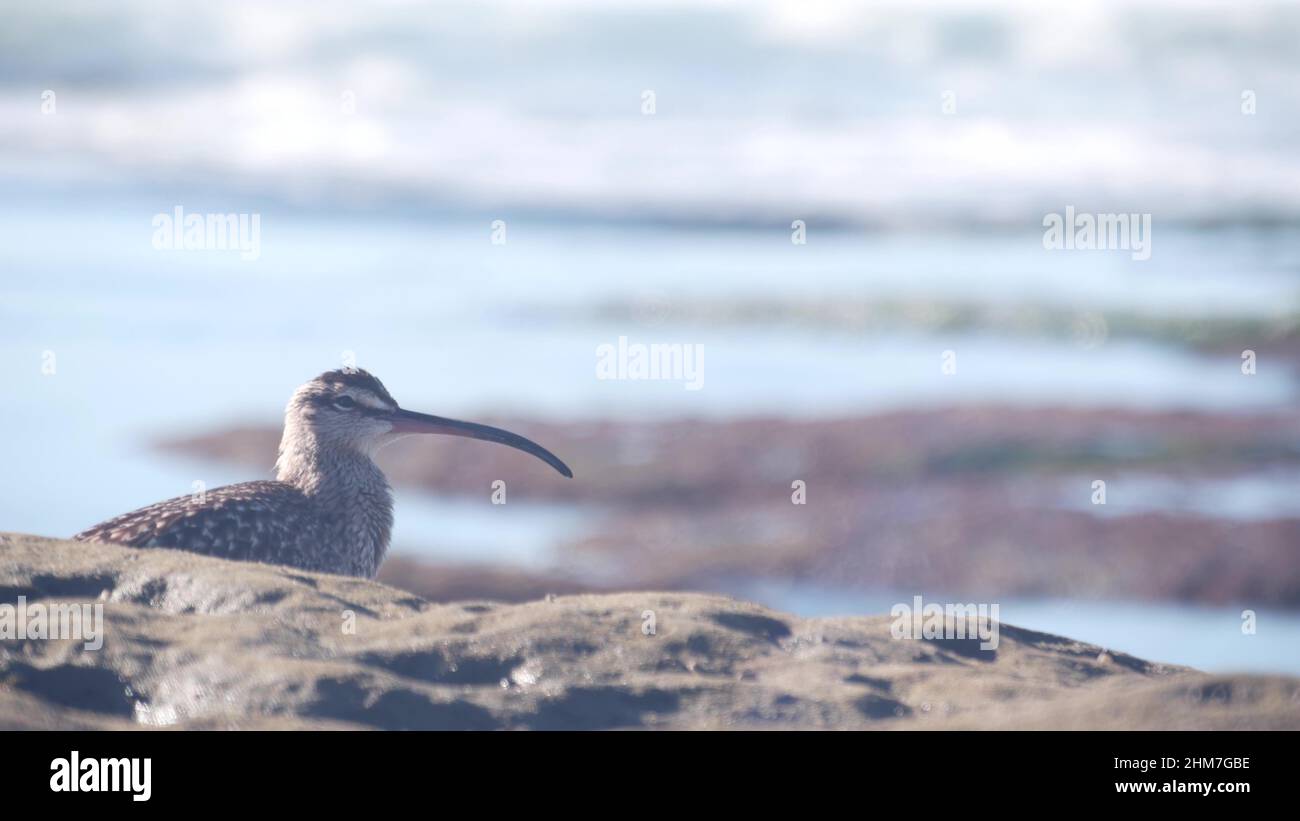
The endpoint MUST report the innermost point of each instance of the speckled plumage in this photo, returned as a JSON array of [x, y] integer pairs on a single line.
[[266, 521], [330, 508]]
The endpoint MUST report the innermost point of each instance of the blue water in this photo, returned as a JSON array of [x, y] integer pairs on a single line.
[[1207, 638], [151, 343]]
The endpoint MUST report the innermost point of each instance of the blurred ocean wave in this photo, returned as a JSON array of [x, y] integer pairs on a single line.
[[764, 112]]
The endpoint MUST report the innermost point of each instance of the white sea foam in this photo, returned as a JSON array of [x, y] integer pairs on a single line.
[[764, 112]]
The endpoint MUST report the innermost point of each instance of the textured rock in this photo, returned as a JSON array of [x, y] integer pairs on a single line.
[[197, 642]]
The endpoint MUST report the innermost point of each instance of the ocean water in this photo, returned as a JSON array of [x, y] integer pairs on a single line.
[[898, 113], [1207, 638], [147, 343]]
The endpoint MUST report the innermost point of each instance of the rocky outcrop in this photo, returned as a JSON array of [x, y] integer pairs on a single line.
[[196, 642]]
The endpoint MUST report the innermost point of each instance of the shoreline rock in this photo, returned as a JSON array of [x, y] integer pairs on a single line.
[[201, 643]]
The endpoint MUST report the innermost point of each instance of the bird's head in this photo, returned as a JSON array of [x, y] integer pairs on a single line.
[[352, 409]]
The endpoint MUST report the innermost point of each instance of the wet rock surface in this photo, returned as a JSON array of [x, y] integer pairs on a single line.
[[196, 642]]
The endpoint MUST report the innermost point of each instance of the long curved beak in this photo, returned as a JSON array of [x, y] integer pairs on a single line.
[[405, 421]]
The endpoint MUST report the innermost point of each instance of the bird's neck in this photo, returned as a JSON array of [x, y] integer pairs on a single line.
[[347, 486], [322, 470]]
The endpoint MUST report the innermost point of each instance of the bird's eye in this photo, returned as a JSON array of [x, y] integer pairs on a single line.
[[345, 403]]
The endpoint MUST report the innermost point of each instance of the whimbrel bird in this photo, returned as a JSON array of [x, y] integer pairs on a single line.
[[330, 508]]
